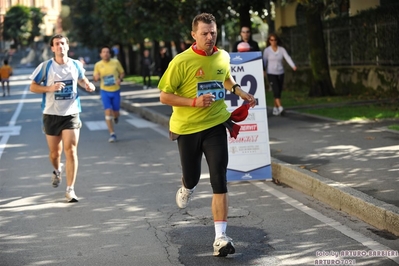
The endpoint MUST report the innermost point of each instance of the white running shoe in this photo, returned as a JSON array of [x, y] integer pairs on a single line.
[[223, 246], [275, 111], [280, 110], [56, 178], [183, 196], [71, 196]]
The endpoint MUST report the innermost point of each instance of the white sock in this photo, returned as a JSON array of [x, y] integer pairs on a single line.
[[220, 228], [58, 171], [188, 188], [69, 188]]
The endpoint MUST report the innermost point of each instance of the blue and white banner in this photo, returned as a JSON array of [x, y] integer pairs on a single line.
[[249, 154]]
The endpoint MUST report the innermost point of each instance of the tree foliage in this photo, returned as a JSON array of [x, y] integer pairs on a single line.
[[15, 25], [86, 26], [22, 24], [131, 21], [36, 18]]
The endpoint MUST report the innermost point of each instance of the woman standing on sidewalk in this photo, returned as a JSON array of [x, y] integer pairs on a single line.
[[273, 62]]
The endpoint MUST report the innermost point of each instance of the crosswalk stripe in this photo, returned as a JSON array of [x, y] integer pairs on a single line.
[[101, 125], [141, 123]]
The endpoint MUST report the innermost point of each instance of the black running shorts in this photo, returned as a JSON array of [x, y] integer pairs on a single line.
[[53, 125]]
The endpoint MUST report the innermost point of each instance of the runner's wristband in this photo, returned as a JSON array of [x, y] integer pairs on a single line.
[[194, 102]]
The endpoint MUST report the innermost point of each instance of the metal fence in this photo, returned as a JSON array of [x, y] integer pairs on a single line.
[[349, 42]]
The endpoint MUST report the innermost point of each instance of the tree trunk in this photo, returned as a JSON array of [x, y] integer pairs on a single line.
[[155, 51], [132, 67], [269, 20], [322, 85], [245, 17], [177, 42], [168, 46], [121, 55]]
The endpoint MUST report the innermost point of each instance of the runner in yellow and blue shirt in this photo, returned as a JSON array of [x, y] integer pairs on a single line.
[[111, 74], [194, 84]]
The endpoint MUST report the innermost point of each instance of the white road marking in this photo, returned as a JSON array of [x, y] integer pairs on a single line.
[[13, 130], [96, 125], [140, 123], [132, 120], [365, 241], [161, 131]]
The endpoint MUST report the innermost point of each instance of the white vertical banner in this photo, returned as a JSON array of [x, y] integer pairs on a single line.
[[249, 153]]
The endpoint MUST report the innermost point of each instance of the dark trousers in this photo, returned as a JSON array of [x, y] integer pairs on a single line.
[[146, 78], [276, 83]]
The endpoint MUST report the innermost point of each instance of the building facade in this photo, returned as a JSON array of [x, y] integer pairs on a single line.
[[51, 21], [288, 15]]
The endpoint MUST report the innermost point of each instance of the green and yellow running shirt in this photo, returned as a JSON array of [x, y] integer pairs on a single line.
[[189, 75]]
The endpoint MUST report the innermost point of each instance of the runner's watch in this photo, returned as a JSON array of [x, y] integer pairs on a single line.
[[233, 89]]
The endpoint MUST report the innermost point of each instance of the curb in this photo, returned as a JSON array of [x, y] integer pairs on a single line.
[[146, 113], [379, 214]]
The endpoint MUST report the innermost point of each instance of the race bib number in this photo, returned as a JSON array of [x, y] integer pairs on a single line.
[[109, 80], [214, 87], [66, 93]]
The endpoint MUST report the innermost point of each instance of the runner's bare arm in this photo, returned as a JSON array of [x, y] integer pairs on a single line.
[[85, 83], [230, 82], [37, 88], [176, 100]]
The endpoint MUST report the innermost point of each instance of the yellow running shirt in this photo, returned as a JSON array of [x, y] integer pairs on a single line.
[[109, 73], [189, 75]]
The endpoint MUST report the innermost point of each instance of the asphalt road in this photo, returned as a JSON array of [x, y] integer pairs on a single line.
[[127, 213]]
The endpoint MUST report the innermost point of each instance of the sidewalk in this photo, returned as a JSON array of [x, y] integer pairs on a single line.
[[353, 167]]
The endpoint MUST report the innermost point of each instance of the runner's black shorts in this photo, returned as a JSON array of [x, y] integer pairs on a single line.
[[212, 143], [53, 125]]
